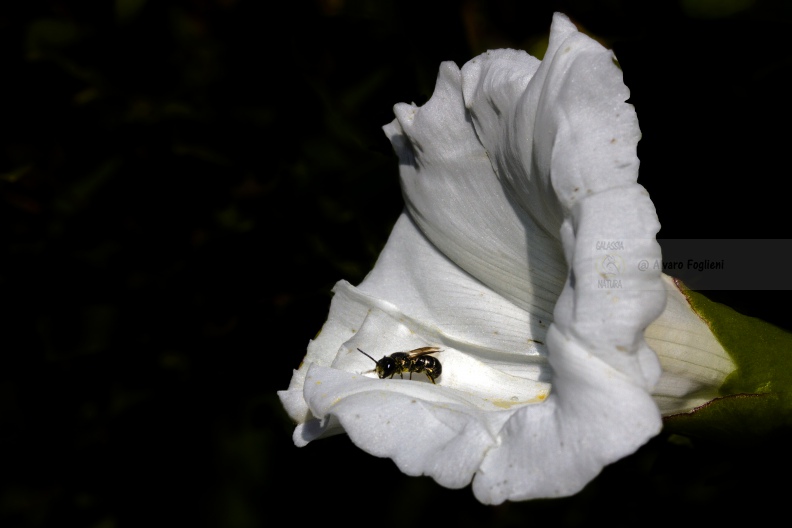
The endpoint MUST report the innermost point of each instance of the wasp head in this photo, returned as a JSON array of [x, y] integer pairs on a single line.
[[387, 366]]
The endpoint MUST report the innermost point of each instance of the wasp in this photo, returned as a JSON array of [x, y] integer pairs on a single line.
[[415, 360]]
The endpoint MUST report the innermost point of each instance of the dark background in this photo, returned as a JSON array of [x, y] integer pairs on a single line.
[[182, 182]]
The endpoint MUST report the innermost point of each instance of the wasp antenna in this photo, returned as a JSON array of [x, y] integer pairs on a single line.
[[371, 358]]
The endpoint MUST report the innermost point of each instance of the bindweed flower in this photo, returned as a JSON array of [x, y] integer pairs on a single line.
[[514, 257]]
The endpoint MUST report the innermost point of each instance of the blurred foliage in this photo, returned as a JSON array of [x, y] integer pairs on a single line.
[[182, 182]]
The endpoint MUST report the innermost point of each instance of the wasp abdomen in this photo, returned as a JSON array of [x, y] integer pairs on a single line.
[[430, 365]]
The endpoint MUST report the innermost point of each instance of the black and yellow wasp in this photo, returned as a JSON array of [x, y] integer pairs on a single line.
[[416, 360]]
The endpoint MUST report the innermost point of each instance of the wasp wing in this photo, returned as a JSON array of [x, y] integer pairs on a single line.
[[422, 351]]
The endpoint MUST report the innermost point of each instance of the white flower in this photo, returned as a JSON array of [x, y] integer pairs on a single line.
[[516, 257]]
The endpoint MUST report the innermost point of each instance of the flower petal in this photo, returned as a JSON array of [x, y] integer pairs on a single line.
[[512, 172], [457, 201], [695, 364], [594, 416], [421, 427]]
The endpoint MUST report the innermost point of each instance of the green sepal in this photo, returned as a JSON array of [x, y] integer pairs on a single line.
[[756, 398]]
